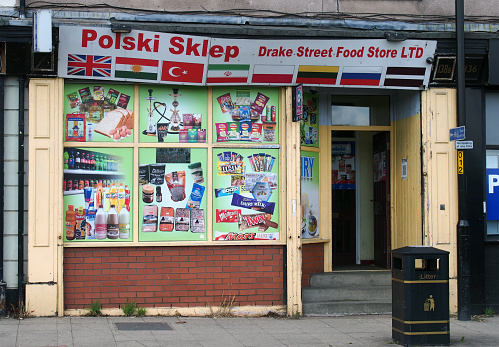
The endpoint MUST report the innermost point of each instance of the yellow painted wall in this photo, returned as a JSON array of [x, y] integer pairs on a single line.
[[440, 178], [406, 193]]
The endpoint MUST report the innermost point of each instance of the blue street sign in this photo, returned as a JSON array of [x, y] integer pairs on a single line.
[[458, 133]]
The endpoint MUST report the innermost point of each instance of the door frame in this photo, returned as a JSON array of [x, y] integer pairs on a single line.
[[326, 172]]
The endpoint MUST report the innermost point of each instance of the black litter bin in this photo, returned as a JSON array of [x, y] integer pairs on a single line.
[[420, 296]]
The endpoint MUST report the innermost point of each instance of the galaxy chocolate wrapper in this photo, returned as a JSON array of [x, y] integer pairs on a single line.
[[253, 204]]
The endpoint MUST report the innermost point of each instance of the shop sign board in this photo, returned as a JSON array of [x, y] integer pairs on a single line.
[[492, 194], [144, 56]]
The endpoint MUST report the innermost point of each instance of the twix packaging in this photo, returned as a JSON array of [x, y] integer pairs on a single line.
[[258, 220]]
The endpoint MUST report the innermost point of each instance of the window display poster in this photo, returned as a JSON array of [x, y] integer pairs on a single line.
[[246, 115], [172, 201], [310, 194], [246, 194], [98, 112], [175, 114], [97, 194], [309, 128], [343, 165]]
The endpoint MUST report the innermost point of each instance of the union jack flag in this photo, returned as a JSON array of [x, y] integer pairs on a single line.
[[89, 65]]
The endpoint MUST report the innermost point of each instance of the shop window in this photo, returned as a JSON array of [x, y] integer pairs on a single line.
[[360, 110], [492, 165], [137, 169]]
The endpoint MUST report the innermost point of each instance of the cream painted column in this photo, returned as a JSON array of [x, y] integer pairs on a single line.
[[44, 284], [293, 223], [440, 178]]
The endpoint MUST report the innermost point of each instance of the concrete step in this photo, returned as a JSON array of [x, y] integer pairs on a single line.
[[349, 278], [343, 308], [350, 293]]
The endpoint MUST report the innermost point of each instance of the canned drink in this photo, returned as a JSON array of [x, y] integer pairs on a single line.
[[269, 113], [274, 113], [82, 185]]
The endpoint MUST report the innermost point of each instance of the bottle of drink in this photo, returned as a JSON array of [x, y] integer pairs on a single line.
[[88, 162], [106, 108], [113, 198], [104, 164], [100, 224], [113, 223], [66, 159], [107, 197], [90, 132], [121, 197], [70, 223], [124, 224], [92, 162], [71, 163], [127, 198], [77, 161]]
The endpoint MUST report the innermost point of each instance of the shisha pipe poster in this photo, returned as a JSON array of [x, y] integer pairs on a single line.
[[174, 111]]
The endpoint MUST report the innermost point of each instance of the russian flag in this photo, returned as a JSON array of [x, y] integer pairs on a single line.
[[361, 76]]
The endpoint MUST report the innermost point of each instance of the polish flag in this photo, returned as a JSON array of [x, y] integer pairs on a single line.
[[175, 71]]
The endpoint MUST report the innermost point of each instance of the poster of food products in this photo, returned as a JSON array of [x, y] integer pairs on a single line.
[[309, 195], [343, 165], [309, 127], [97, 194], [246, 115], [172, 188], [246, 194], [98, 112], [175, 114]]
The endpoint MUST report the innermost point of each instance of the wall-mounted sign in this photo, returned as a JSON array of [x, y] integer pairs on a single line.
[[297, 103], [458, 133], [98, 53], [444, 69]]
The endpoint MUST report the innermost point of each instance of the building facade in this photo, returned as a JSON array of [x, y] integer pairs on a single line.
[[372, 152]]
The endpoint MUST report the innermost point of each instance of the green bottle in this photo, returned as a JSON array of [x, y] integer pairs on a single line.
[[66, 160]]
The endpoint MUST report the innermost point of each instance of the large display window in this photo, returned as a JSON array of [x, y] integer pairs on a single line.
[[139, 165]]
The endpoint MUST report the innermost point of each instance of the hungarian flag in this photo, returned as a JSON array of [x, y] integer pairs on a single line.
[[361, 76], [404, 76], [175, 71], [136, 68], [312, 74], [282, 74], [227, 73]]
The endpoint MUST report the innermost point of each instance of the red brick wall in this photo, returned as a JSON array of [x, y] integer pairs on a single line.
[[312, 261], [173, 276]]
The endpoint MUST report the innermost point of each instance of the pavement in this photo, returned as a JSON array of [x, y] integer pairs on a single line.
[[372, 330]]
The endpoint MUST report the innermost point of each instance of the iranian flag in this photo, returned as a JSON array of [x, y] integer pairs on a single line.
[[282, 74], [136, 68], [227, 73]]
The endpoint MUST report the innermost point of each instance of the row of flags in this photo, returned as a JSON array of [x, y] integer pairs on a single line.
[[183, 72]]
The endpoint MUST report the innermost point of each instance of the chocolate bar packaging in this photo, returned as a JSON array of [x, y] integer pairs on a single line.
[[263, 206]]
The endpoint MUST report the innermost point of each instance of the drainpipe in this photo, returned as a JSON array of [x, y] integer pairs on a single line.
[[22, 9], [463, 227], [3, 285], [20, 197]]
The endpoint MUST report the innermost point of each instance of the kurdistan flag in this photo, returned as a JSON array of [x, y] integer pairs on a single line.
[[227, 73], [136, 68]]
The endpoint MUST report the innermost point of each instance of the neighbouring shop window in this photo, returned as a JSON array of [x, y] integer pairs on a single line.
[[492, 164]]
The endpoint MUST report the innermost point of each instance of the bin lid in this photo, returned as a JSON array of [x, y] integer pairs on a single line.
[[419, 250]]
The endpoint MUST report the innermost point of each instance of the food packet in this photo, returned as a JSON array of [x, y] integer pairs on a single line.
[[167, 218], [176, 184], [225, 102], [221, 132]]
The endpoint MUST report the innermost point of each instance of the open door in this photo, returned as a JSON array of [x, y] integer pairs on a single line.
[[381, 199]]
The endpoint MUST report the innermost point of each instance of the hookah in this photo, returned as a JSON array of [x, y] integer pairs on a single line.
[[175, 118], [151, 127]]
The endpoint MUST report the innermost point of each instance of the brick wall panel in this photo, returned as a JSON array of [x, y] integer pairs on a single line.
[[174, 276]]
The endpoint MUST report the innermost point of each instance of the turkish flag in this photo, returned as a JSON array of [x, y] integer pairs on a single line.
[[175, 71]]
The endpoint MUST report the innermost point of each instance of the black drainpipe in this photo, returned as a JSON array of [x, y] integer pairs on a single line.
[[22, 8], [2, 175], [20, 197]]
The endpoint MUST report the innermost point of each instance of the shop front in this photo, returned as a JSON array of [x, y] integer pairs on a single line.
[[164, 168]]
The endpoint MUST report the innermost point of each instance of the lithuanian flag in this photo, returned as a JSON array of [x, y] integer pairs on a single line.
[[316, 74]]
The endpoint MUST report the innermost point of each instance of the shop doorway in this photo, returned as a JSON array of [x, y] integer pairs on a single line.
[[360, 198]]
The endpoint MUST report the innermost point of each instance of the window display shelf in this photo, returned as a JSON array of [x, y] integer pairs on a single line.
[[93, 172]]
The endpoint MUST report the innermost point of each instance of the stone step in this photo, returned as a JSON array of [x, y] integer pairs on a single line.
[[344, 308], [350, 293], [349, 278]]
